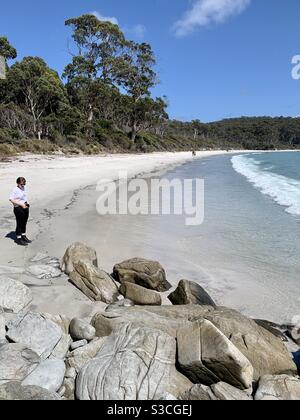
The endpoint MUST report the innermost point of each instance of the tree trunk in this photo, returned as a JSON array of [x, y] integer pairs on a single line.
[[91, 114]]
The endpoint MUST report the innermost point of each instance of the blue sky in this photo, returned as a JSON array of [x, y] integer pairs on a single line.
[[215, 58]]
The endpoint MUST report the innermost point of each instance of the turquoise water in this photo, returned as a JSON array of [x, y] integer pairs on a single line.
[[274, 174]]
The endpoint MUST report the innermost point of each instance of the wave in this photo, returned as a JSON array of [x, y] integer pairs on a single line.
[[285, 191]]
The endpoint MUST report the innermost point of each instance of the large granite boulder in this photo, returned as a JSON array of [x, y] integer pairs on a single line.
[[217, 392], [36, 332], [81, 330], [2, 324], [207, 356], [96, 284], [44, 271], [49, 375], [14, 295], [226, 392], [139, 295], [76, 253], [165, 318], [145, 273], [266, 352], [190, 293], [281, 387], [16, 362], [14, 391], [79, 357], [133, 364]]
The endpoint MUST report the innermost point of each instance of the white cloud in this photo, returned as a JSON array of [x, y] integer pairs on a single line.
[[137, 31], [205, 12], [105, 18]]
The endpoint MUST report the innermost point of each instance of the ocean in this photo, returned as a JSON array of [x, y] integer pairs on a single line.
[[246, 252]]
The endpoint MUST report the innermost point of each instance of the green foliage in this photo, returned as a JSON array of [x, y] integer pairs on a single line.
[[6, 50]]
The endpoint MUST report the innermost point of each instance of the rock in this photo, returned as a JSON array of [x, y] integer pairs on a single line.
[[36, 332], [2, 324], [281, 387], [69, 385], [165, 318], [76, 253], [120, 304], [145, 273], [139, 295], [39, 257], [96, 284], [81, 330], [190, 293], [293, 331], [78, 344], [16, 362], [207, 356], [14, 295], [15, 391], [61, 349], [71, 372], [266, 353], [4, 269], [61, 320], [62, 390], [48, 375], [44, 271], [198, 393], [133, 364], [226, 392], [273, 328], [79, 357]]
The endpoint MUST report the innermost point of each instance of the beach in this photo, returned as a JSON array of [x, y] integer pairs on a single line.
[[61, 215], [235, 254]]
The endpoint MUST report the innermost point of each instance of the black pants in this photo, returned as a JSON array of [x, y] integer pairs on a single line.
[[22, 216]]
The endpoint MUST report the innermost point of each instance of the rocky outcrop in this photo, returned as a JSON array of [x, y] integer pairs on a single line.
[[36, 332], [16, 362], [2, 325], [15, 391], [281, 387], [207, 356], [145, 273], [96, 284], [76, 253], [140, 295], [81, 330], [133, 364], [79, 357], [266, 352], [165, 318], [217, 392], [49, 375], [44, 271], [190, 293], [14, 295]]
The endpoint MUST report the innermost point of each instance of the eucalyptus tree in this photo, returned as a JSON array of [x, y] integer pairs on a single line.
[[36, 88], [92, 69]]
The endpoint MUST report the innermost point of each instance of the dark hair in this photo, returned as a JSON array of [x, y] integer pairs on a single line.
[[21, 180]]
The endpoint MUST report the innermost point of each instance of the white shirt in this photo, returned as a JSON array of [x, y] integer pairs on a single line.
[[19, 195]]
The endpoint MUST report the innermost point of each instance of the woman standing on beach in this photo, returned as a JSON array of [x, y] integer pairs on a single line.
[[18, 198]]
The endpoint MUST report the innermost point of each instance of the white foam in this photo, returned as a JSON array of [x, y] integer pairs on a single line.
[[285, 191]]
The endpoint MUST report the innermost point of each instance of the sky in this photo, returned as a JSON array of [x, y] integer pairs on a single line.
[[215, 58]]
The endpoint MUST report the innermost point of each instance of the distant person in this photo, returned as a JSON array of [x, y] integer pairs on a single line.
[[193, 153], [19, 199]]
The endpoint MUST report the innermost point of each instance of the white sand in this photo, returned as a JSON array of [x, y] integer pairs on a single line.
[[51, 183]]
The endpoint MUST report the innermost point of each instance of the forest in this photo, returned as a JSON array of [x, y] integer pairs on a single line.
[[103, 102]]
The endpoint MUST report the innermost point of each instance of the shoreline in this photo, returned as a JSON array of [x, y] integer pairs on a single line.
[[62, 220]]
